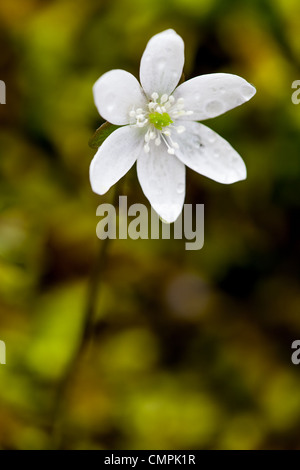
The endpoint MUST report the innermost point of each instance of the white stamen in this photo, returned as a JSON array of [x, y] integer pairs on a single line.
[[170, 150], [165, 104]]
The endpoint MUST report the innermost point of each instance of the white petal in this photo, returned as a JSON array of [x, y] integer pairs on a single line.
[[162, 178], [162, 63], [204, 151], [213, 94], [115, 93], [115, 157]]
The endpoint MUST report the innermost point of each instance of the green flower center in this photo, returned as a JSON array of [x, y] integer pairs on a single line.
[[160, 120]]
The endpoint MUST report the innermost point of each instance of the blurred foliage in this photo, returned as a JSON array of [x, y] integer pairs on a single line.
[[191, 349]]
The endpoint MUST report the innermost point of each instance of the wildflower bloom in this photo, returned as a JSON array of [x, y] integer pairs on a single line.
[[159, 129]]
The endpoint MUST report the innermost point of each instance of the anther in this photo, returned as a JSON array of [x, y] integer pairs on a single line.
[[164, 98]]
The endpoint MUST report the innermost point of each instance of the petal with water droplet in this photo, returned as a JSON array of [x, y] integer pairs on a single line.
[[162, 178], [115, 94], [115, 157], [162, 63], [215, 158], [213, 94]]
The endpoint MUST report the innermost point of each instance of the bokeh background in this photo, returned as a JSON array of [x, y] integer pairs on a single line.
[[191, 350]]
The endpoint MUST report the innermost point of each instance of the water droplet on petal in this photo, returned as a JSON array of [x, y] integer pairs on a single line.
[[214, 107], [110, 107], [197, 143], [216, 153], [247, 91], [222, 90], [210, 136], [160, 65], [109, 102], [180, 188]]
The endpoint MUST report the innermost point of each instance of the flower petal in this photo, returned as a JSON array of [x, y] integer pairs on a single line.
[[213, 94], [162, 63], [162, 178], [115, 157], [115, 93], [204, 151]]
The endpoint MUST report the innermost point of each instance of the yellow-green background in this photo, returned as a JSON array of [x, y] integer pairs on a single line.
[[192, 350]]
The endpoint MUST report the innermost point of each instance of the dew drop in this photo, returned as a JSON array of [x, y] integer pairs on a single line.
[[110, 107], [109, 103], [210, 136], [180, 188], [222, 90], [160, 64], [216, 153], [196, 142], [247, 91], [214, 107]]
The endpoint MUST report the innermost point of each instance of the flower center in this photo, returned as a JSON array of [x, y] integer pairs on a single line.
[[159, 117], [160, 120]]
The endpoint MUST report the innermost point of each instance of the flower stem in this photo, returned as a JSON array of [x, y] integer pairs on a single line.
[[94, 287]]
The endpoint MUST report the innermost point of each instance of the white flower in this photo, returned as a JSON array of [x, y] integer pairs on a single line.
[[159, 130]]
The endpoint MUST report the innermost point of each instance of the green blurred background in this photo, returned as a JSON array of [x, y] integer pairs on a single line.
[[191, 350]]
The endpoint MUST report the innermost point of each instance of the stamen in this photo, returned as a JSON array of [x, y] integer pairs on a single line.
[[147, 136], [159, 116], [170, 150], [164, 98]]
